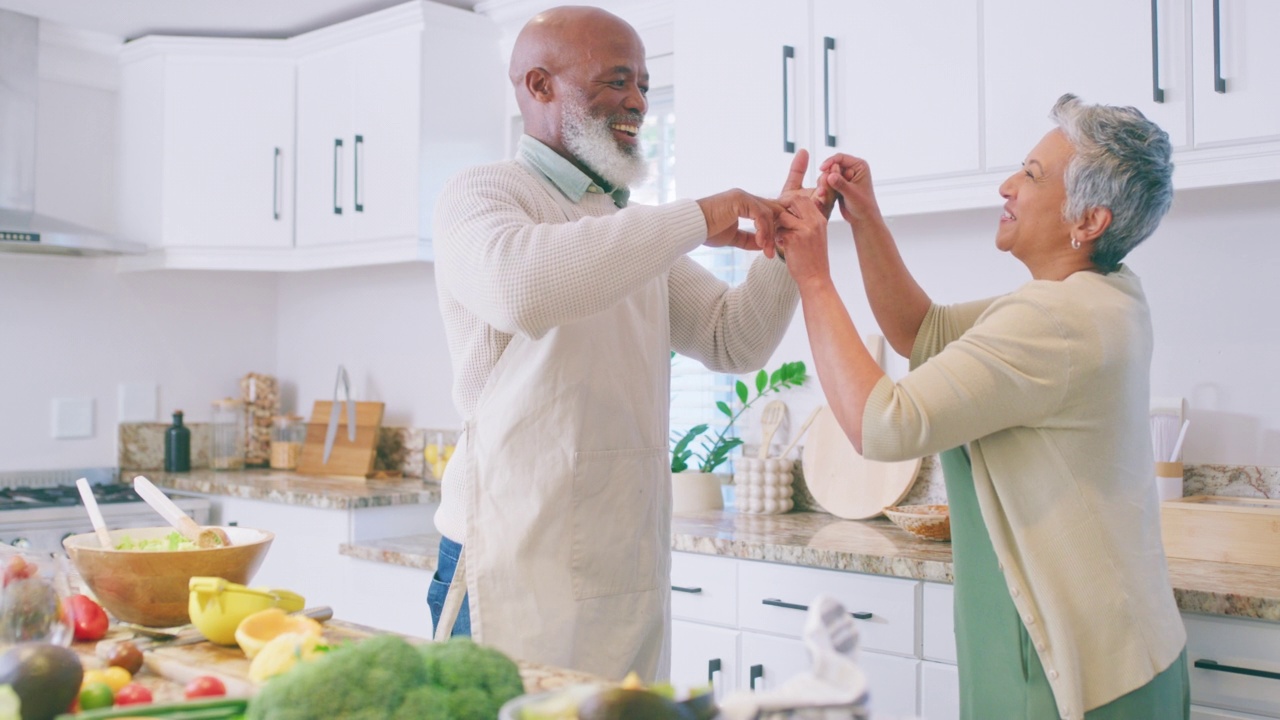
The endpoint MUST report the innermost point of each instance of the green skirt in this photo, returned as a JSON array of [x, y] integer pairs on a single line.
[[1000, 672]]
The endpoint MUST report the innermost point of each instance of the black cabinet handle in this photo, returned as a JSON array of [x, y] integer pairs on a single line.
[[829, 49], [774, 602], [788, 58], [713, 667], [1218, 667], [358, 171], [337, 175], [275, 185], [1157, 93], [757, 672], [690, 590], [1219, 85]]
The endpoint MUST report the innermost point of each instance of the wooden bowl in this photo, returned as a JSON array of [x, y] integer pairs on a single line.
[[150, 587], [931, 522]]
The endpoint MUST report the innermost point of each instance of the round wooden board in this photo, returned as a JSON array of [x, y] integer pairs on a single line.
[[843, 482]]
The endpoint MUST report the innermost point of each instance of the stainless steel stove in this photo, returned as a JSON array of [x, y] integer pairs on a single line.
[[39, 509]]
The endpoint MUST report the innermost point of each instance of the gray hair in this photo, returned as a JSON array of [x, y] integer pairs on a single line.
[[1122, 162]]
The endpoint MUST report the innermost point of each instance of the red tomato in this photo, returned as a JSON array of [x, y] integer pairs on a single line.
[[90, 618], [204, 686], [133, 694]]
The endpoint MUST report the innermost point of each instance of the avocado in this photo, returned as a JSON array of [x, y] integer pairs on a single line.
[[625, 704], [46, 678]]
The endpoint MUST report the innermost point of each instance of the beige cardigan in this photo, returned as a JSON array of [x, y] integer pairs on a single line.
[[1050, 386]]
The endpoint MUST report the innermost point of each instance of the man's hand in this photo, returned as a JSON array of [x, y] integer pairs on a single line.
[[722, 212], [849, 179]]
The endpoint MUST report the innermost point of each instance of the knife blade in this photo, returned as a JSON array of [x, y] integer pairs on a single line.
[[335, 410], [189, 635]]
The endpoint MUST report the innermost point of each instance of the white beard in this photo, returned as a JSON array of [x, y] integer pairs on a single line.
[[591, 142]]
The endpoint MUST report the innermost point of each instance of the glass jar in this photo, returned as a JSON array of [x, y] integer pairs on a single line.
[[226, 450], [287, 435]]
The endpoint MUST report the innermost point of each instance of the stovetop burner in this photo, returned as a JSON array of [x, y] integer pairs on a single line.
[[23, 498]]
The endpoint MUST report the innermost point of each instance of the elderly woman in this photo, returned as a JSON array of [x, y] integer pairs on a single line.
[[1038, 402]]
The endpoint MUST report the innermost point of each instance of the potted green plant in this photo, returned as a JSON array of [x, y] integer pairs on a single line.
[[696, 452]]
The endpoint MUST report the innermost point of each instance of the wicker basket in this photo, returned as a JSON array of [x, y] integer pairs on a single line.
[[931, 522]]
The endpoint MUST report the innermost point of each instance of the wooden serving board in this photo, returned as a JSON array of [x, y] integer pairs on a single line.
[[1222, 529], [349, 459]]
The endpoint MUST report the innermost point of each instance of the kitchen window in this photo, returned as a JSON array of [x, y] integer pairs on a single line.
[[694, 389]]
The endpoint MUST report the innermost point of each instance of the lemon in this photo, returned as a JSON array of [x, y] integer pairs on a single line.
[[255, 631], [281, 654]]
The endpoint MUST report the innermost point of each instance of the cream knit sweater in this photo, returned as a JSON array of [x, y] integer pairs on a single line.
[[508, 261], [1050, 386]]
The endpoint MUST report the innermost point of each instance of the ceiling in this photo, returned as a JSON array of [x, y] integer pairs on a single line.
[[128, 19]]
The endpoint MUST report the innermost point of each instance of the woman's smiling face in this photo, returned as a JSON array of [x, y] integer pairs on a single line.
[[1032, 224]]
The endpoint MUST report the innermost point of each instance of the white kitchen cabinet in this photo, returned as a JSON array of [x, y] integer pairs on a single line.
[[769, 661], [389, 107], [1032, 55], [1236, 71], [206, 139], [939, 691], [742, 93], [938, 629], [897, 84], [702, 654], [1200, 712], [1221, 650]]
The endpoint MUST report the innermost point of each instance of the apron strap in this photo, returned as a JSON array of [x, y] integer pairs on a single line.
[[453, 599]]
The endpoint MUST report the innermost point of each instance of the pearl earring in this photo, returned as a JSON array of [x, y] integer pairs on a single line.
[[1075, 244]]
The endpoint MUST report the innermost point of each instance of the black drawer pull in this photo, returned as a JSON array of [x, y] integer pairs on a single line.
[[690, 590], [792, 606], [1216, 666], [713, 667], [757, 672]]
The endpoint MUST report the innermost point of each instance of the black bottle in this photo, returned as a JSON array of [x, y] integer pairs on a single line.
[[177, 446]]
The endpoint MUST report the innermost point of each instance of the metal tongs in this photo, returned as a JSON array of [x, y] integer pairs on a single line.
[[331, 433]]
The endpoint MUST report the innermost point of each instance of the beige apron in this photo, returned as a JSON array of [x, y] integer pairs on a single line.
[[568, 547]]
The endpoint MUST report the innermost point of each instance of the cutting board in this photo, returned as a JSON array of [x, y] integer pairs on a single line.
[[843, 482], [350, 459]]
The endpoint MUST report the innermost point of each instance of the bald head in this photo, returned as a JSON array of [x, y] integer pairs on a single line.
[[579, 72]]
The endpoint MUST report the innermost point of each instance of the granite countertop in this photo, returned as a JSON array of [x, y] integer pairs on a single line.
[[819, 540], [166, 671], [291, 488]]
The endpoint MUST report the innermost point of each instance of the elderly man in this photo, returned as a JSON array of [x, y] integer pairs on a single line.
[[561, 304]]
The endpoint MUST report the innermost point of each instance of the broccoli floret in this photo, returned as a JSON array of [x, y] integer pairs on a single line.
[[368, 679], [472, 704], [461, 663], [425, 703]]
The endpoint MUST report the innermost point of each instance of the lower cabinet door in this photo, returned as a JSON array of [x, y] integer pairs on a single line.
[[1234, 663], [939, 691], [769, 661], [702, 654], [892, 680]]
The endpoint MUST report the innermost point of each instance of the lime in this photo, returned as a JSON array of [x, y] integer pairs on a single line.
[[96, 695]]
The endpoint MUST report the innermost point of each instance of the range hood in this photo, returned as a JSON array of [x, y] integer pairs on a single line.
[[21, 228]]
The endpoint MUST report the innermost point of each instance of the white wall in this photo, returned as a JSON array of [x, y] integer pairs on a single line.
[[1212, 277]]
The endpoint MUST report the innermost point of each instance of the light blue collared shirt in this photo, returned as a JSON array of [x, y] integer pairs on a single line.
[[563, 174]]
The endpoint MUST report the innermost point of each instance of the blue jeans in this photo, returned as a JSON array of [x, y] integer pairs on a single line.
[[446, 564]]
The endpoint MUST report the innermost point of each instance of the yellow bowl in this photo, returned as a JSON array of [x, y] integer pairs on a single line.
[[151, 588], [216, 606], [931, 522]]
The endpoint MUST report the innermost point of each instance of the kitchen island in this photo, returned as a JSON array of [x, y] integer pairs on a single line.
[[166, 670]]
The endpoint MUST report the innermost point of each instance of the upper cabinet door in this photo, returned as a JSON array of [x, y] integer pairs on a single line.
[[897, 83], [1236, 71], [324, 147], [386, 92], [1118, 53], [742, 93]]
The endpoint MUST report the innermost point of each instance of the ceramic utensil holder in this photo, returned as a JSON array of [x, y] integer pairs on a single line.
[[1168, 480], [764, 486]]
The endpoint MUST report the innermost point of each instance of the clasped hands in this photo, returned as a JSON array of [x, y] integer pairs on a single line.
[[797, 219]]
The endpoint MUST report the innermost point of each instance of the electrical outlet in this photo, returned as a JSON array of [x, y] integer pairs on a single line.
[[72, 418], [138, 401]]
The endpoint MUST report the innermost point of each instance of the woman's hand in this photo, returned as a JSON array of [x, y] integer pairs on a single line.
[[850, 179], [802, 236]]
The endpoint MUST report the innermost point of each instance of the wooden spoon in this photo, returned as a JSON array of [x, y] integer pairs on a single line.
[[203, 537], [772, 417], [95, 515]]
